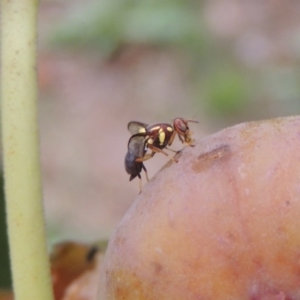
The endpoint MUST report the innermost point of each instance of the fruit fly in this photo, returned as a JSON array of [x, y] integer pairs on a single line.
[[160, 135], [137, 148]]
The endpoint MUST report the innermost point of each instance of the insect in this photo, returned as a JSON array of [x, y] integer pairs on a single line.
[[136, 149], [160, 135]]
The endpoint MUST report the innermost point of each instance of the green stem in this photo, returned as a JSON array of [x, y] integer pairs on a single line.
[[25, 220]]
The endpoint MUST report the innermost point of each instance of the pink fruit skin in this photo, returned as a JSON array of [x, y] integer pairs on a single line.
[[222, 223]]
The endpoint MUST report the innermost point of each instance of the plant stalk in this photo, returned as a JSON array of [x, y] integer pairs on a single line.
[[25, 217]]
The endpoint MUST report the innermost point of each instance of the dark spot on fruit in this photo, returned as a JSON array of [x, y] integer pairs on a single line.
[[208, 159], [157, 268]]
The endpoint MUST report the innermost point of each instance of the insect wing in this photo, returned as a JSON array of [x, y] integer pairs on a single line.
[[135, 127], [137, 145]]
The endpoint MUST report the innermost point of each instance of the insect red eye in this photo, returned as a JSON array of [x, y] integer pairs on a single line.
[[180, 125]]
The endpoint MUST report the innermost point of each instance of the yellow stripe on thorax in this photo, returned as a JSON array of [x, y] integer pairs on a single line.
[[161, 137]]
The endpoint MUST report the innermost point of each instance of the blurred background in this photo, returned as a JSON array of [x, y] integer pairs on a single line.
[[104, 63]]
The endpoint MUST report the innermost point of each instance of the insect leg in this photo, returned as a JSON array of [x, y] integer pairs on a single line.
[[154, 150], [181, 139], [171, 150], [144, 168], [172, 138], [140, 183], [157, 150]]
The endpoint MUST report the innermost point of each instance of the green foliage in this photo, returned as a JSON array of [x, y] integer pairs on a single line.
[[227, 92], [230, 91], [110, 24]]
